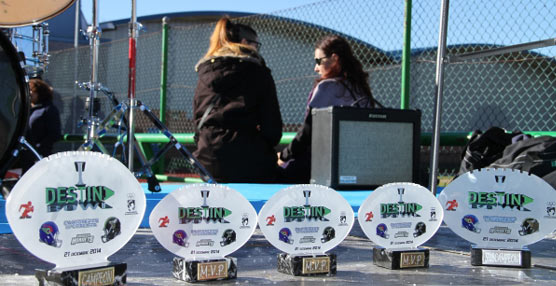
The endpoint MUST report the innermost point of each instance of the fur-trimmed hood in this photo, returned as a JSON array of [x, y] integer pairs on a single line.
[[247, 55]]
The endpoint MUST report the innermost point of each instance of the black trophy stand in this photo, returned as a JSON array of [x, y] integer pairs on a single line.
[[193, 271], [519, 258], [307, 265], [401, 258]]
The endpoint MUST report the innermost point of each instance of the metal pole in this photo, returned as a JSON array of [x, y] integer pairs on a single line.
[[94, 34], [406, 57], [76, 24], [131, 83], [440, 61], [164, 69], [75, 62]]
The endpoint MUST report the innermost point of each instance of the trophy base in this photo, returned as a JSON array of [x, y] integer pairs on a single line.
[[520, 258], [401, 258], [307, 265], [109, 274], [204, 270]]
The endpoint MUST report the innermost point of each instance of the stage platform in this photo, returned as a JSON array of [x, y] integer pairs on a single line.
[[150, 264]]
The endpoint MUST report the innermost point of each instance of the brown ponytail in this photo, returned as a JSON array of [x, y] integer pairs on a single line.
[[227, 35]]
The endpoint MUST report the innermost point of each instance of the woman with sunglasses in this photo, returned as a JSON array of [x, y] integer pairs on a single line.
[[342, 82], [235, 108]]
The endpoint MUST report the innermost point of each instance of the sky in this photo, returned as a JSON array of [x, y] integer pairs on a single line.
[[507, 22], [121, 9]]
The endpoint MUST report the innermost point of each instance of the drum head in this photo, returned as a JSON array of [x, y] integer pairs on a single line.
[[15, 13], [14, 96]]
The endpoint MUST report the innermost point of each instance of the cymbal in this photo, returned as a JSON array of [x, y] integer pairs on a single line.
[[17, 13]]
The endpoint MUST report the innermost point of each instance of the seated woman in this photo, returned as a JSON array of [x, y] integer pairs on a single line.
[[342, 82], [44, 126], [236, 108]]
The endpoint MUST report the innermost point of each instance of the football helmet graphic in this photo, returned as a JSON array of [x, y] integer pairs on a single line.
[[529, 226], [328, 234], [469, 222], [48, 233], [285, 235], [381, 230], [112, 228], [420, 228], [228, 237], [180, 238]]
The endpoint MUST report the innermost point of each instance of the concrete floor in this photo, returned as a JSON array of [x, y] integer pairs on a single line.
[[150, 264]]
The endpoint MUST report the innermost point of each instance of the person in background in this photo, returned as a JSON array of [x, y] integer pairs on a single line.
[[342, 82], [44, 127], [236, 109]]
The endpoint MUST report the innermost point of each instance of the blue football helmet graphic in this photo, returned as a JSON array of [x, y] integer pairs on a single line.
[[469, 222], [180, 238], [285, 235], [48, 233], [381, 230]]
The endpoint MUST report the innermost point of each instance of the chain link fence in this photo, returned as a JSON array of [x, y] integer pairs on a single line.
[[515, 91]]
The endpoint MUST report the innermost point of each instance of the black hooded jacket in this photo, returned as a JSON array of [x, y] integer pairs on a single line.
[[237, 138]]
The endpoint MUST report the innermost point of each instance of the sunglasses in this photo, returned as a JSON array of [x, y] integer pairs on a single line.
[[319, 60], [257, 44]]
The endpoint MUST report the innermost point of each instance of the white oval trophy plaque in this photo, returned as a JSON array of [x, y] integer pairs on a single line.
[[399, 217], [500, 211], [305, 221], [202, 224], [74, 209]]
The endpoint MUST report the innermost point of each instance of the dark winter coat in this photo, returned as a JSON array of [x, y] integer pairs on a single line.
[[43, 130], [237, 138], [44, 127], [297, 155]]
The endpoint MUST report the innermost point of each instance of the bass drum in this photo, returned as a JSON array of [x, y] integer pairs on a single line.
[[16, 13], [14, 99]]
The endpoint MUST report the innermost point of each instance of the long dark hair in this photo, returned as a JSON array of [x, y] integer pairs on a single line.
[[349, 68], [42, 88]]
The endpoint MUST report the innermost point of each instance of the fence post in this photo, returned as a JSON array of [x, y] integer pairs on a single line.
[[406, 57], [158, 167], [440, 62], [164, 69]]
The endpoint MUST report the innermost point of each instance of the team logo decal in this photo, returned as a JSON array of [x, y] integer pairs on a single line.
[[27, 210], [180, 238], [48, 234], [369, 216], [163, 221], [205, 213], [82, 238], [69, 198], [305, 212], [470, 223], [400, 208], [452, 205], [112, 228], [270, 220]]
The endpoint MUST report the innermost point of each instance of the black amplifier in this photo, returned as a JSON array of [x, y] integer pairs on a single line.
[[361, 148]]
